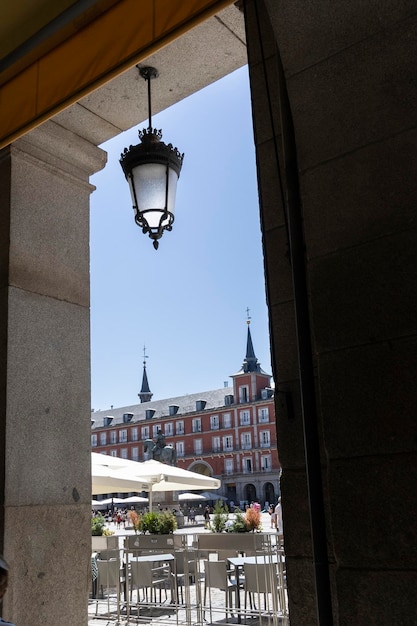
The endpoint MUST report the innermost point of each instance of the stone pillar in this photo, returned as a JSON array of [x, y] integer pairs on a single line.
[[353, 98], [45, 483], [263, 70]]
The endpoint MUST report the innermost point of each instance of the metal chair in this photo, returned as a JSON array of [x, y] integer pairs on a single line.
[[217, 576], [110, 575]]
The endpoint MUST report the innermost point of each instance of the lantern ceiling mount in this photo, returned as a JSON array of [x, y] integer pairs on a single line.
[[152, 169]]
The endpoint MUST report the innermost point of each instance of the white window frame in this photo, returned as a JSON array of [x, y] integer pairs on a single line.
[[196, 425], [180, 448], [244, 418], [155, 429], [123, 436], [243, 394], [135, 453], [266, 463], [134, 433], [226, 440], [94, 441], [123, 453], [216, 445], [103, 439], [227, 420], [169, 429], [113, 436], [228, 466], [246, 441], [246, 462], [263, 415], [179, 427], [265, 438], [144, 432], [198, 446], [214, 422]]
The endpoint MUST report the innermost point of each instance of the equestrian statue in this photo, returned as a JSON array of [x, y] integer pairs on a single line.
[[159, 450]]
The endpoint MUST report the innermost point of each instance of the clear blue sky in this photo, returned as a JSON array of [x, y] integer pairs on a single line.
[[186, 302]]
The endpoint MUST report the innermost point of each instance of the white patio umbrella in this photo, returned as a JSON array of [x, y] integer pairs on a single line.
[[213, 496], [112, 501], [105, 480], [135, 500], [185, 497], [164, 477], [111, 474]]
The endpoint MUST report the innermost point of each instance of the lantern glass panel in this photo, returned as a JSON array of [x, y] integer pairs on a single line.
[[150, 184]]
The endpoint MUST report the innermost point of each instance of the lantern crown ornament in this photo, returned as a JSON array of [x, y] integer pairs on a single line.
[[152, 169]]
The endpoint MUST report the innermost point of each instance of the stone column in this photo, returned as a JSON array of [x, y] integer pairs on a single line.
[[45, 484]]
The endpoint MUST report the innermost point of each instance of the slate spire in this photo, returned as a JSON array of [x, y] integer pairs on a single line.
[[250, 363], [145, 394]]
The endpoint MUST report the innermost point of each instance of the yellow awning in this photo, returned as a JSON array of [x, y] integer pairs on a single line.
[[115, 40]]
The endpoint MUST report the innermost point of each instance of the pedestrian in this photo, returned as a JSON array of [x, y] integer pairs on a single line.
[[278, 517], [273, 515], [207, 517], [4, 576]]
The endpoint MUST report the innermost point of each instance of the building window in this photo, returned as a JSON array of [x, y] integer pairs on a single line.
[[123, 453], [169, 429], [216, 444], [214, 422], [155, 429], [179, 446], [244, 418], [263, 415], [179, 427], [113, 452], [265, 439], [246, 441], [145, 432], [94, 440], [123, 436], [228, 443], [103, 439], [134, 433], [113, 436], [198, 446], [247, 466], [243, 394], [228, 466], [266, 464], [227, 420], [196, 425], [135, 454]]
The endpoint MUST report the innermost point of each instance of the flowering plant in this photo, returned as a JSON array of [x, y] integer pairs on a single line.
[[245, 523], [253, 519], [134, 519]]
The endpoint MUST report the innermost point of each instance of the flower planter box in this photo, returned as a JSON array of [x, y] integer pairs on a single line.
[[99, 543]]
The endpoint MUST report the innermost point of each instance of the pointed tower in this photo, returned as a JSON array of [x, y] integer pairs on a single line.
[[145, 394], [250, 381]]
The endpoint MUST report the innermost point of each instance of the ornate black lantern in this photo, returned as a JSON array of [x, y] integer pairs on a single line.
[[152, 169]]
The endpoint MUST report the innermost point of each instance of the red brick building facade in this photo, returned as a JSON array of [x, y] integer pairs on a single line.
[[228, 433]]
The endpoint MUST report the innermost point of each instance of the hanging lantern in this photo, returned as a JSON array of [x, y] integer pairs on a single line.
[[152, 169]]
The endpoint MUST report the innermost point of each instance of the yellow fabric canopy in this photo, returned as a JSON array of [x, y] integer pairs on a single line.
[[115, 40]]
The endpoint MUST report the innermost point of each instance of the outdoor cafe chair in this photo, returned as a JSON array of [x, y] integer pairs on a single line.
[[185, 571], [260, 579], [110, 575], [217, 576]]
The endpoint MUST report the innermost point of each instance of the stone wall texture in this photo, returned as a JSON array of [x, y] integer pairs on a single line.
[[350, 75]]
